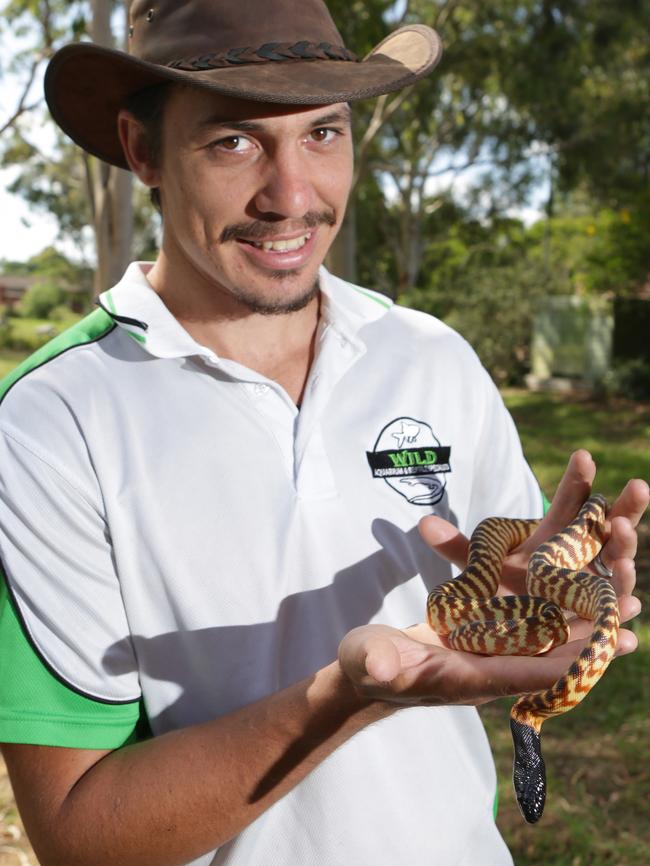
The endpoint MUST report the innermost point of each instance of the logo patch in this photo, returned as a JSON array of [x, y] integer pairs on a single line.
[[411, 460]]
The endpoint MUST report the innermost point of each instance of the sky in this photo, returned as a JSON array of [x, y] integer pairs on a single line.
[[22, 232]]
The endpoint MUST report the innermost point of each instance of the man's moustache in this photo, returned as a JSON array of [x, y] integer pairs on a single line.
[[262, 230]]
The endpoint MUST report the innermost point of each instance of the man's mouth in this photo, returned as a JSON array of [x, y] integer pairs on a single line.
[[281, 246]]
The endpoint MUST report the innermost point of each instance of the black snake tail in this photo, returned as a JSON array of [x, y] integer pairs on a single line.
[[529, 772]]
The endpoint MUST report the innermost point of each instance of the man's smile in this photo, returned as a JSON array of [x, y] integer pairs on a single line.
[[280, 252], [282, 245]]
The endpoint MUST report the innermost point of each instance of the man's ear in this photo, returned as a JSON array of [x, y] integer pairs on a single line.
[[136, 149]]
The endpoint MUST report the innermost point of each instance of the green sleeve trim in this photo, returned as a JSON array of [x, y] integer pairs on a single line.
[[495, 804], [378, 299], [88, 330], [545, 503], [110, 301], [38, 708]]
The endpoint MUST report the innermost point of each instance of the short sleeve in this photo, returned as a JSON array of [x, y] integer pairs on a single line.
[[61, 609], [37, 707]]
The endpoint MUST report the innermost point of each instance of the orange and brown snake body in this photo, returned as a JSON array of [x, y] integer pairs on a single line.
[[467, 610]]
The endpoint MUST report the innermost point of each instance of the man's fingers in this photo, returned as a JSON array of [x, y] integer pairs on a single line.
[[632, 502], [622, 542], [445, 539], [382, 660], [624, 580], [378, 653], [571, 493], [574, 487]]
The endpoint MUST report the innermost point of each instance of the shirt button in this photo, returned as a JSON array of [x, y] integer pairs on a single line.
[[260, 389]]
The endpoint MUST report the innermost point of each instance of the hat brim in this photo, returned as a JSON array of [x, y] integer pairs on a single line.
[[86, 85]]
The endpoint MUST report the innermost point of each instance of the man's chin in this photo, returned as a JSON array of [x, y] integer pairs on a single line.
[[278, 306]]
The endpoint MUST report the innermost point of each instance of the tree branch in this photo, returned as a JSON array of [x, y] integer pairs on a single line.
[[445, 14], [21, 108], [382, 112]]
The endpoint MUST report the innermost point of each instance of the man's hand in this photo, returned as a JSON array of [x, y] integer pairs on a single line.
[[618, 552], [415, 666]]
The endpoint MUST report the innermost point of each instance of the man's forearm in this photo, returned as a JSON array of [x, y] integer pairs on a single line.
[[171, 799]]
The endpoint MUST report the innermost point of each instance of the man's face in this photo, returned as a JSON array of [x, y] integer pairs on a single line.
[[252, 195]]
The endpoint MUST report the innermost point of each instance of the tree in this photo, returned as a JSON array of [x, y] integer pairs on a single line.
[[78, 189], [576, 73], [456, 120], [110, 188], [25, 19]]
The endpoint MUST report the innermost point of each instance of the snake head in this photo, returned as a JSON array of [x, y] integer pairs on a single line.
[[529, 772]]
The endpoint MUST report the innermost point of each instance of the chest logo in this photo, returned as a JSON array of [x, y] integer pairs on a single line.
[[411, 460]]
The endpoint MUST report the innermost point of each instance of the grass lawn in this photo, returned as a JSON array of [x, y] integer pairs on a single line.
[[598, 756]]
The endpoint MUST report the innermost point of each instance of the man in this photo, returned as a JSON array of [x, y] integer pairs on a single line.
[[199, 502]]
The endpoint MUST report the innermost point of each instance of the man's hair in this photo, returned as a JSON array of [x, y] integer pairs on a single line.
[[148, 106]]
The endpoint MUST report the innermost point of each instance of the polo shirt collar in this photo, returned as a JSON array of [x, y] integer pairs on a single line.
[[139, 311]]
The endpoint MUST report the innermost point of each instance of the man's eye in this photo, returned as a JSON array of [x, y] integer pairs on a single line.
[[233, 143], [323, 134]]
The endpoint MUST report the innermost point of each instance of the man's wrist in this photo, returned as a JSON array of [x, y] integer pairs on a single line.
[[331, 686]]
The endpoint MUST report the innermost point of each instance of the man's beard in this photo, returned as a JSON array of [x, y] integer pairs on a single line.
[[277, 307]]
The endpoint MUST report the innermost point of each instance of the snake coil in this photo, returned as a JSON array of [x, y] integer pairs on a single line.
[[467, 610]]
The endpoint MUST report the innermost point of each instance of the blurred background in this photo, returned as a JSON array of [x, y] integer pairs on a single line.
[[509, 195]]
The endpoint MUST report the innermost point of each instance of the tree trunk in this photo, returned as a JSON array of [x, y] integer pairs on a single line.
[[342, 257], [112, 188]]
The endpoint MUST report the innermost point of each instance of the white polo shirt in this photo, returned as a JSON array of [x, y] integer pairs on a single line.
[[179, 540]]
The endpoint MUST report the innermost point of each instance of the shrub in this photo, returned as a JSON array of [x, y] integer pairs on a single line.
[[62, 314], [40, 299], [631, 379]]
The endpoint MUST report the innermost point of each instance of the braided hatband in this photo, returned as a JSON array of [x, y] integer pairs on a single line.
[[268, 51]]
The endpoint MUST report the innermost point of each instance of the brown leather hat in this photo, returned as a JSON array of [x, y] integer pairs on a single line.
[[283, 51]]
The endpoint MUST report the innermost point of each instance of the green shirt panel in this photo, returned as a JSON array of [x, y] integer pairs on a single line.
[[38, 708]]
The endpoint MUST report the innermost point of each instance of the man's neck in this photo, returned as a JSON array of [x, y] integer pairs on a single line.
[[281, 347]]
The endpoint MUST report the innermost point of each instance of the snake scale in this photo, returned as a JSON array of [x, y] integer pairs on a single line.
[[467, 610]]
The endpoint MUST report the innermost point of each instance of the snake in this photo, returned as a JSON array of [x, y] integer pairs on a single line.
[[467, 610]]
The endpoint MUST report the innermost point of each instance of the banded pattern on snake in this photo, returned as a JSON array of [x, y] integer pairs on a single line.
[[467, 610]]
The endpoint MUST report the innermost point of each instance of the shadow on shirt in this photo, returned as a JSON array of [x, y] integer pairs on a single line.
[[213, 671]]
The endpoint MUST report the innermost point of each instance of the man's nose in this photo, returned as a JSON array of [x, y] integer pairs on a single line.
[[286, 189]]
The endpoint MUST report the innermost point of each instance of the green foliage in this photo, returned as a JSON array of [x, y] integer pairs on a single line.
[[5, 331], [48, 298], [484, 280], [40, 299], [630, 379], [52, 264], [60, 314], [577, 74], [26, 335], [621, 260]]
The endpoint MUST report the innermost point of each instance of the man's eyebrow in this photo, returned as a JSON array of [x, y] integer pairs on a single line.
[[342, 115]]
